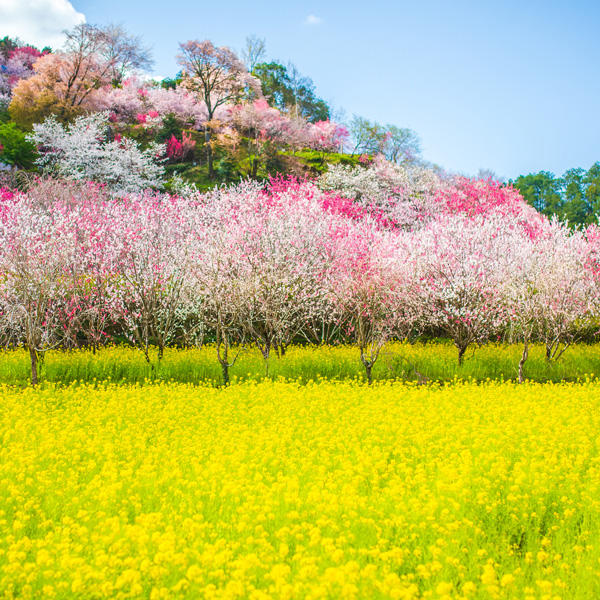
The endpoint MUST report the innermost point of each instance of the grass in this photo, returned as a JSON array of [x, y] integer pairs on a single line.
[[277, 490], [435, 361]]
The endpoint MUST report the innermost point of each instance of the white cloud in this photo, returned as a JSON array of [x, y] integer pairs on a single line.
[[38, 22], [310, 20]]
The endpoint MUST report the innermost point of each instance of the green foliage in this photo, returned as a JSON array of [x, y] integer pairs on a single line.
[[226, 171], [171, 83], [575, 196], [318, 162], [541, 190], [170, 126], [575, 206], [7, 45], [16, 149], [434, 361], [288, 91]]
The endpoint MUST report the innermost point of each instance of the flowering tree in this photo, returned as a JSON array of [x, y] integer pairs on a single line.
[[180, 150], [66, 83], [592, 260], [150, 243], [405, 195], [327, 135], [523, 302], [396, 144], [216, 76], [63, 84], [123, 52], [81, 151], [38, 262], [567, 287], [45, 93], [551, 294], [4, 101], [369, 288], [134, 97], [261, 130], [263, 265], [462, 264], [285, 246], [480, 197], [16, 64], [86, 215], [216, 271]]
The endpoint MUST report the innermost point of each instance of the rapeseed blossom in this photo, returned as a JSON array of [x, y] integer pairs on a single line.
[[277, 490]]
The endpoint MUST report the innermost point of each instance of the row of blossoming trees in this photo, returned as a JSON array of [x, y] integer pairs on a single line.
[[362, 256]]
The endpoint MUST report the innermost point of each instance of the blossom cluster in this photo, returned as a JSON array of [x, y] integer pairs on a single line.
[[15, 65], [84, 151], [149, 104], [137, 100]]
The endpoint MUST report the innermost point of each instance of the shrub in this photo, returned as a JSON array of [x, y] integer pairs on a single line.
[[15, 149]]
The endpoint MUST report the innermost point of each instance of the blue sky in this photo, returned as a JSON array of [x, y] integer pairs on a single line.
[[509, 86]]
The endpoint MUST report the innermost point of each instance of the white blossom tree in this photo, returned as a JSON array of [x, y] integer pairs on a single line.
[[83, 151]]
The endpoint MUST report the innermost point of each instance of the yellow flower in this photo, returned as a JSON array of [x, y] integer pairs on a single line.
[[488, 576], [443, 588]]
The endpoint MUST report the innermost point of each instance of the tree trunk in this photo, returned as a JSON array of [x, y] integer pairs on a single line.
[[209, 153], [461, 354], [33, 355], [265, 350], [146, 351], [368, 368], [225, 372], [524, 357]]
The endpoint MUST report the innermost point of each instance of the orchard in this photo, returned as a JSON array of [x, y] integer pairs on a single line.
[[291, 262], [251, 347]]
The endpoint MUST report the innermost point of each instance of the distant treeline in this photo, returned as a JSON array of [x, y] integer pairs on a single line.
[[574, 197]]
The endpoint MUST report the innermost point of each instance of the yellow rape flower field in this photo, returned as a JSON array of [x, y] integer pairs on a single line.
[[277, 490]]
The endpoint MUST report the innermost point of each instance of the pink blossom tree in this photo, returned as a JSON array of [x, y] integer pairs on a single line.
[[462, 264], [285, 247], [405, 194], [87, 215], [550, 295], [38, 263], [215, 273], [217, 77], [135, 97], [370, 288], [17, 64], [327, 136], [66, 83], [151, 243]]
